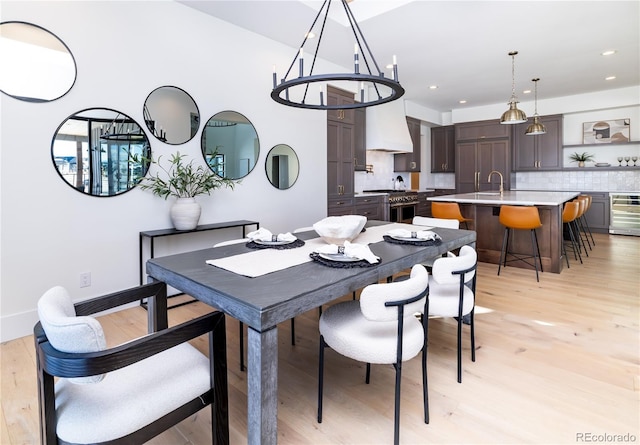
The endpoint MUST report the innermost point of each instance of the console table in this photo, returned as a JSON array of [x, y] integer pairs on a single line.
[[153, 234]]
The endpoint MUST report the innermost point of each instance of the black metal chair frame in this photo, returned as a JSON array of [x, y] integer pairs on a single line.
[[52, 363], [520, 257], [400, 304]]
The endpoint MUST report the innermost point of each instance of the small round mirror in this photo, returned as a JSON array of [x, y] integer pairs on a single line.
[[171, 115], [282, 166], [230, 145], [100, 152], [36, 65]]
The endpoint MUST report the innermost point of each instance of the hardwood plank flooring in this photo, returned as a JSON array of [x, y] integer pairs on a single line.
[[554, 360]]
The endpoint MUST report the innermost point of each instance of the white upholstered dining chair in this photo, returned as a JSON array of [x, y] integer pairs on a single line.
[[129, 393], [380, 328]]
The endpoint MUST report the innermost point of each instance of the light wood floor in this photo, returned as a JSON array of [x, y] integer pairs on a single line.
[[556, 360]]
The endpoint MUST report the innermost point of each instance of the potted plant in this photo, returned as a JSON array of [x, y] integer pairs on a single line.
[[184, 181], [581, 158]]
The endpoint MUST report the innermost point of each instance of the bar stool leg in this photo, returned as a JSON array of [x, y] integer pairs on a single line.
[[503, 256]]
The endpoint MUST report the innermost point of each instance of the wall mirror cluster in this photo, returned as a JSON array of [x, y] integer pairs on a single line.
[[101, 152], [171, 115], [282, 166], [36, 65], [230, 145]]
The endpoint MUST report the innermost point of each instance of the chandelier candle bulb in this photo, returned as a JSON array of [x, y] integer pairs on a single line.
[[356, 62], [321, 98], [275, 77]]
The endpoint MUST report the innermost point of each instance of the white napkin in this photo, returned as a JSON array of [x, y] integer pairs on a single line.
[[265, 235], [420, 235], [360, 251]]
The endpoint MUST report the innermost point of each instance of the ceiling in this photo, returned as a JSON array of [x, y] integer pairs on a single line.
[[462, 46]]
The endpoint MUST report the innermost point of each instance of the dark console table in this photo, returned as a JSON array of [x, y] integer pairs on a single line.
[[153, 234]]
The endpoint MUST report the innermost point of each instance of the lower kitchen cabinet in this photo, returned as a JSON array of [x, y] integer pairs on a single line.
[[598, 215], [373, 207], [340, 206]]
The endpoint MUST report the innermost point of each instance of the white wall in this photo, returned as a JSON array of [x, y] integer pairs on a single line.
[[50, 233]]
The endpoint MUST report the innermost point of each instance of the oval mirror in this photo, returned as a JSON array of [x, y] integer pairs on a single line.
[[282, 166], [171, 115], [100, 152], [230, 145], [36, 65]]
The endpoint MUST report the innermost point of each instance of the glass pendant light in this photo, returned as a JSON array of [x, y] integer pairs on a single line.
[[536, 127], [513, 115]]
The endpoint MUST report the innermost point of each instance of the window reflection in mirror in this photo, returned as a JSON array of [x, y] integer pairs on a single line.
[[230, 145], [282, 166], [36, 65], [171, 115], [101, 152]]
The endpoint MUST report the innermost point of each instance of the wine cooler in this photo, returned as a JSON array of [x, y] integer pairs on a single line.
[[625, 213]]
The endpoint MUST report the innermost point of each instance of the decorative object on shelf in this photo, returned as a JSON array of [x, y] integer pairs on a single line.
[[581, 158], [634, 159], [536, 127], [184, 181], [606, 132], [627, 159], [620, 161], [296, 89], [513, 115]]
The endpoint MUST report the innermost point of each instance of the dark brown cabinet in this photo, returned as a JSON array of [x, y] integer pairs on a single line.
[[538, 152], [491, 129], [373, 207], [341, 136], [598, 215], [443, 149], [476, 159], [360, 148], [410, 162]]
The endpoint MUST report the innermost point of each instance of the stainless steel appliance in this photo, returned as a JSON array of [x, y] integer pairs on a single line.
[[625, 213], [401, 204]]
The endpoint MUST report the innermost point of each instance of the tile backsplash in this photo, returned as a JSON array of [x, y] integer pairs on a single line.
[[588, 180]]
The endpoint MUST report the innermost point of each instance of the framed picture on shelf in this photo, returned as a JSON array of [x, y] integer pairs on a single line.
[[606, 132]]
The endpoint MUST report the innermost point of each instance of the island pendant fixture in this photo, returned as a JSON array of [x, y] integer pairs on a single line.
[[308, 90], [536, 127], [513, 115]]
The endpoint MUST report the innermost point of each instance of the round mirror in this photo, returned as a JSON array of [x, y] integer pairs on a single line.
[[36, 65], [101, 152], [171, 115], [282, 166], [230, 145]]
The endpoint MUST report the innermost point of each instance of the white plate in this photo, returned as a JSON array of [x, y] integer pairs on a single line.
[[603, 164], [273, 243], [341, 257], [408, 238]]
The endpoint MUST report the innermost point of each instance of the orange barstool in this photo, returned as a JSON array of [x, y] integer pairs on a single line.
[[584, 220], [448, 210], [569, 215], [581, 233], [520, 218]]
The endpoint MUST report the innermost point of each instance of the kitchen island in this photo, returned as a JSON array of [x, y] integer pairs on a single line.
[[484, 209]]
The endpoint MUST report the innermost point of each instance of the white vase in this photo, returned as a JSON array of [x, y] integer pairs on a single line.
[[185, 213]]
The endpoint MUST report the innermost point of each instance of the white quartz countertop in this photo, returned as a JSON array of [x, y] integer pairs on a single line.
[[513, 197]]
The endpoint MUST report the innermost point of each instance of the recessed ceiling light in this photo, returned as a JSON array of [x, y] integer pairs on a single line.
[[526, 92], [609, 52], [610, 78], [433, 87], [463, 101]]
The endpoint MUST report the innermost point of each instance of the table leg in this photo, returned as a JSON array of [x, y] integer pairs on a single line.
[[262, 374]]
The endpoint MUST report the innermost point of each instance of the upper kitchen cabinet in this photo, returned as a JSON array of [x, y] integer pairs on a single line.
[[482, 130], [538, 152], [341, 137], [443, 149], [409, 162], [360, 143], [336, 96]]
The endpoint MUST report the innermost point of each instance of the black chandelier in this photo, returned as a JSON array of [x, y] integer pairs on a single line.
[[284, 91]]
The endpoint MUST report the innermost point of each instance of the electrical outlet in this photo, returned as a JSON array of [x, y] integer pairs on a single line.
[[85, 279]]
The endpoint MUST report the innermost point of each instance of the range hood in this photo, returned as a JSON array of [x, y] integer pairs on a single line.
[[387, 128]]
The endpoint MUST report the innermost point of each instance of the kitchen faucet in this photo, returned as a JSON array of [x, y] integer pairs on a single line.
[[501, 180]]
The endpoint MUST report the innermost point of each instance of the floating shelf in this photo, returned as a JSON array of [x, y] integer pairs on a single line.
[[601, 145]]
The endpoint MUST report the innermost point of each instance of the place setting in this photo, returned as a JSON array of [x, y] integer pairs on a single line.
[[413, 237], [345, 256], [265, 239]]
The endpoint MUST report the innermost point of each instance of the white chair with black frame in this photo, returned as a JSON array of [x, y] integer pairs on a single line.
[[452, 294], [132, 392], [380, 328]]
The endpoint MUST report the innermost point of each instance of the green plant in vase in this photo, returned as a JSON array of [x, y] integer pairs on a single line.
[[581, 158], [184, 181]]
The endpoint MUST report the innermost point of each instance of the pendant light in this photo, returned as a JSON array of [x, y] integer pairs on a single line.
[[513, 115], [536, 127], [293, 91]]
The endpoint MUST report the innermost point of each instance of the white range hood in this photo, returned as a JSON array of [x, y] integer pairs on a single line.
[[387, 128]]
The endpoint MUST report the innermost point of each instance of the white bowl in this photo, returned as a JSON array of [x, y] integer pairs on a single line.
[[338, 229]]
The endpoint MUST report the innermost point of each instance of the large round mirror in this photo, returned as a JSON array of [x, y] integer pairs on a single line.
[[101, 152], [282, 166], [230, 145], [171, 115], [36, 65]]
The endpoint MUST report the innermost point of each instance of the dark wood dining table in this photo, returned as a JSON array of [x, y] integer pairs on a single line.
[[265, 301]]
